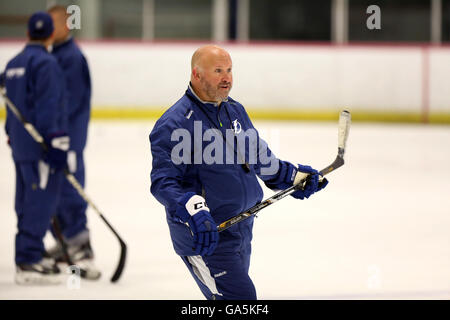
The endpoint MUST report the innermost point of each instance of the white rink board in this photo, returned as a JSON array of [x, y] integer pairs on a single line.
[[379, 230], [290, 77]]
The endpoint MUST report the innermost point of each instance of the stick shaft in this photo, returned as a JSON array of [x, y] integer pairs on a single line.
[[343, 130], [280, 195]]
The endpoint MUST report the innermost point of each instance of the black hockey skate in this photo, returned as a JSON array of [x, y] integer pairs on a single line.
[[80, 255], [44, 272]]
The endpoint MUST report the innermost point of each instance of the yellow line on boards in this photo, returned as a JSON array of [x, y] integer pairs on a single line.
[[121, 113]]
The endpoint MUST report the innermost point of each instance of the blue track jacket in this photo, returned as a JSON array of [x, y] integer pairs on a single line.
[[35, 84], [228, 187], [78, 93]]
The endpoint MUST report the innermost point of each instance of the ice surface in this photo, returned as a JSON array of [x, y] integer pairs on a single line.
[[381, 229]]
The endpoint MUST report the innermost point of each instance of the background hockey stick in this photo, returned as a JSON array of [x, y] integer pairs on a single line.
[[344, 127], [63, 244], [72, 180]]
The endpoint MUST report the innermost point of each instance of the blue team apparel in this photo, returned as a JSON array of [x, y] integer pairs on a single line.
[[224, 276], [33, 81], [40, 25], [78, 91], [228, 188], [72, 209], [34, 207]]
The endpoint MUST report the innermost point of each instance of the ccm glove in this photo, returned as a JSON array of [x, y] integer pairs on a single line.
[[192, 210], [58, 145]]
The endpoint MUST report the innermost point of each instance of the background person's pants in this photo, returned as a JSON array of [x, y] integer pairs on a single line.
[[34, 207], [71, 210]]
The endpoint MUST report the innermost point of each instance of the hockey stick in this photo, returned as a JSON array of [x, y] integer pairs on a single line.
[[72, 180], [344, 126], [63, 244]]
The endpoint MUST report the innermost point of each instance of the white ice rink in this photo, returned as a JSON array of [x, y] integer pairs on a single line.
[[380, 230]]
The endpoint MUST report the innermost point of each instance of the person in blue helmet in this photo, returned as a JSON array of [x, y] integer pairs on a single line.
[[34, 83], [71, 211], [207, 156]]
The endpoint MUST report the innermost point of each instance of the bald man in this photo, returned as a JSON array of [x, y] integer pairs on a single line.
[[207, 157], [71, 212]]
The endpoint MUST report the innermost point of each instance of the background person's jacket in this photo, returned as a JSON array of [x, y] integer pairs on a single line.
[[78, 91], [35, 84]]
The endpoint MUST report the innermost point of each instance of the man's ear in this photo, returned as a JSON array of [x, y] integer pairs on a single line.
[[196, 73]]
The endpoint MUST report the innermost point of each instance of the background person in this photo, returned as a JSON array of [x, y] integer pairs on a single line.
[[33, 84], [71, 211]]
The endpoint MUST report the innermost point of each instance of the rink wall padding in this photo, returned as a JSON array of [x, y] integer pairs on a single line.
[[280, 115], [289, 81]]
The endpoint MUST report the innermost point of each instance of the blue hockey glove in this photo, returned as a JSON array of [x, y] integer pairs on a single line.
[[311, 185], [192, 210], [58, 145], [290, 175]]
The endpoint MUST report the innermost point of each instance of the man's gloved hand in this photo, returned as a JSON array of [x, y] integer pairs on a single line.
[[72, 161], [192, 210], [289, 175], [58, 145], [312, 183]]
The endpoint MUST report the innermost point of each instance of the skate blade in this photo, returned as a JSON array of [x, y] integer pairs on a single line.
[[91, 274], [37, 279], [89, 270], [85, 269]]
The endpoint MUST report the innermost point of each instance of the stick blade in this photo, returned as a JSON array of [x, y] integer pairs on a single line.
[[344, 128], [121, 264]]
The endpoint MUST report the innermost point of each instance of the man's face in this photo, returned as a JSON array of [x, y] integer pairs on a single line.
[[216, 78], [59, 22]]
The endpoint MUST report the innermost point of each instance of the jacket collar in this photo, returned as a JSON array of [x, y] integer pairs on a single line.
[[36, 44], [68, 40], [210, 106]]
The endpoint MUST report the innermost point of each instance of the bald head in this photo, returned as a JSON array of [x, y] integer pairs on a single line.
[[59, 16], [211, 76], [208, 54]]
